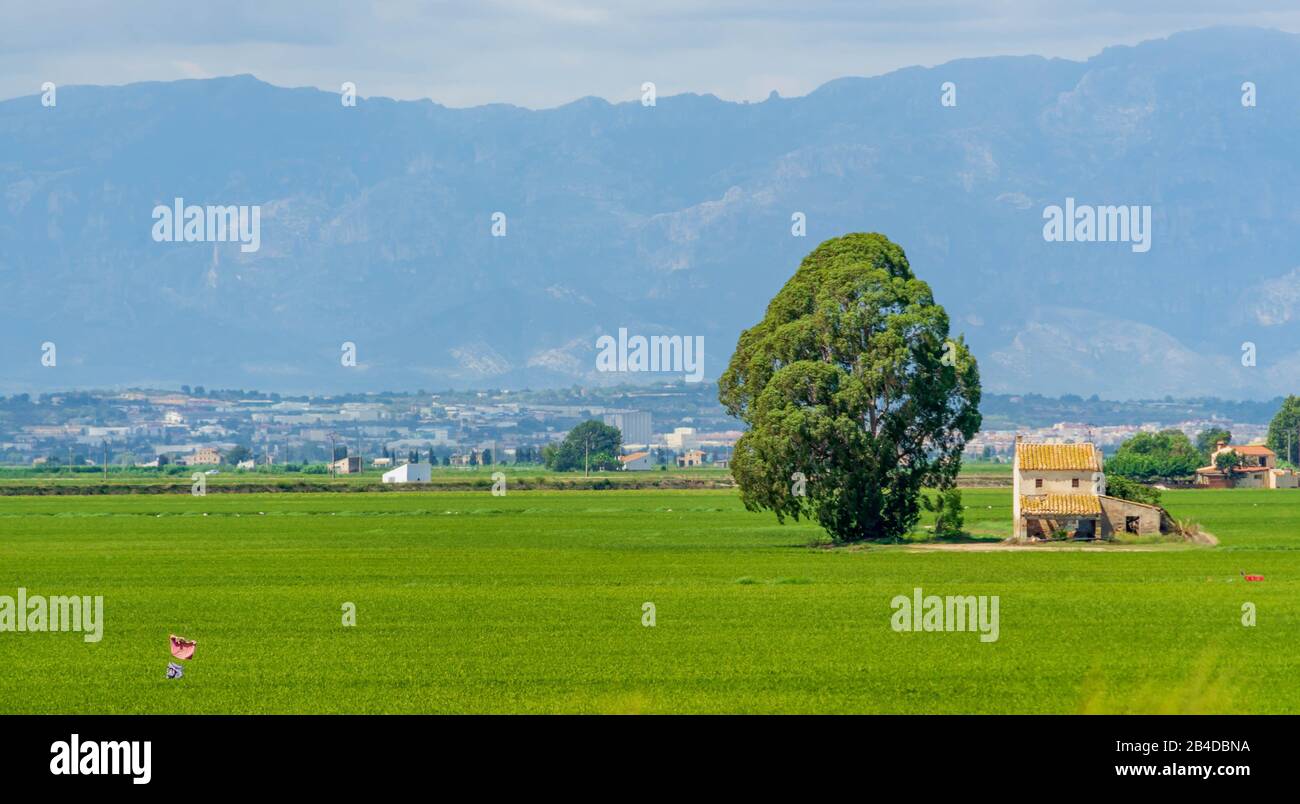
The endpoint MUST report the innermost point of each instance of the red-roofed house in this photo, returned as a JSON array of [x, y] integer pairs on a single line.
[[1257, 470]]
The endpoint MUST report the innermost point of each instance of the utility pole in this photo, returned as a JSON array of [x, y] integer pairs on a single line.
[[333, 435], [105, 461]]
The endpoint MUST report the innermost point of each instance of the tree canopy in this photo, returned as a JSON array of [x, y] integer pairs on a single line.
[[1209, 438], [592, 443], [1148, 456], [852, 381], [1227, 462], [1125, 489], [1284, 431]]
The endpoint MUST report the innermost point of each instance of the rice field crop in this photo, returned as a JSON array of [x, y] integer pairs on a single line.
[[536, 602]]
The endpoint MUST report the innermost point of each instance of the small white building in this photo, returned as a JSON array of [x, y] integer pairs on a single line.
[[409, 473], [636, 462]]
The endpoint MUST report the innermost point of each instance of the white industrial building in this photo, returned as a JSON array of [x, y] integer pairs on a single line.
[[635, 425], [409, 473], [682, 438]]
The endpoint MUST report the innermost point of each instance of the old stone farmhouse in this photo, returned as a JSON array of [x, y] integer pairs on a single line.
[[1059, 491]]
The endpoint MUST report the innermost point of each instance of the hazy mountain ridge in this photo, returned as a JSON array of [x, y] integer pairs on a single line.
[[674, 219]]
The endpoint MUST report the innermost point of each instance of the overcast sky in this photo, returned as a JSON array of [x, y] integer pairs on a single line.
[[541, 53]]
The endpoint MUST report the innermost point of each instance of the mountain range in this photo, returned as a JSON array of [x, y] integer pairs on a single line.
[[376, 224]]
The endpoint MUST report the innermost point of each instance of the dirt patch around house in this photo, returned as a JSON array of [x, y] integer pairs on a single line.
[[1203, 537], [1076, 547]]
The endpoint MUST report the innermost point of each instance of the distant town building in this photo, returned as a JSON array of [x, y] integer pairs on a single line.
[[636, 462], [380, 462], [248, 464], [350, 465], [409, 473], [204, 456], [681, 438], [635, 425], [691, 457]]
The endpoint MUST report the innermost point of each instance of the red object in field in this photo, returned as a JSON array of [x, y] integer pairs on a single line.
[[182, 648], [1254, 577]]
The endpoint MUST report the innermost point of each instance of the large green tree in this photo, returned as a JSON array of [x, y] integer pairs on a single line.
[[851, 381], [1284, 431], [592, 444]]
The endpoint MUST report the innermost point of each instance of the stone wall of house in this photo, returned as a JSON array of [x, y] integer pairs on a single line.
[[1115, 512]]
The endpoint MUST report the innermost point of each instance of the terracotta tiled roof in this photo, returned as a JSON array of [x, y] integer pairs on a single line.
[[635, 456], [1058, 457], [1060, 505], [1251, 449]]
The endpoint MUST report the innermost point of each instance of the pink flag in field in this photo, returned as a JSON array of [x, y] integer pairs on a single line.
[[182, 648]]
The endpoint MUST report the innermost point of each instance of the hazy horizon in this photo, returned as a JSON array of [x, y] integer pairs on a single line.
[[543, 55]]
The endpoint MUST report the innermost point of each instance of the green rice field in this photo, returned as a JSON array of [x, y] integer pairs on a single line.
[[533, 602]]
